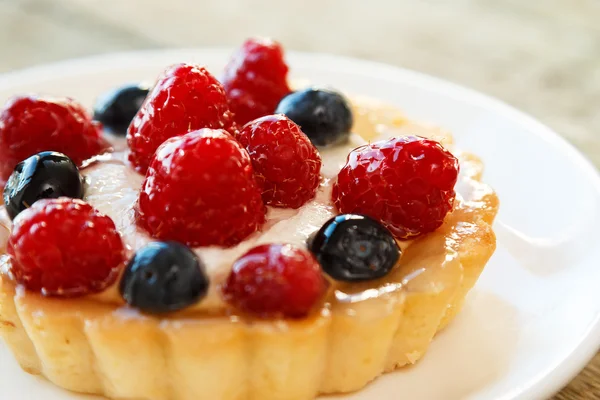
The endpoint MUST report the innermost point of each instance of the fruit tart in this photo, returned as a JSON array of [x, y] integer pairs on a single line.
[[233, 238]]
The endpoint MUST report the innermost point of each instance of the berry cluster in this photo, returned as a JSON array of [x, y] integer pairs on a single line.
[[214, 155]]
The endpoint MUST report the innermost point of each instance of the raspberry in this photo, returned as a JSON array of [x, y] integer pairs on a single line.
[[255, 79], [275, 280], [185, 98], [200, 190], [30, 125], [286, 164], [406, 183], [64, 247]]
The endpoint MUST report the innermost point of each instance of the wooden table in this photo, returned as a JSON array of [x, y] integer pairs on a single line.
[[541, 56]]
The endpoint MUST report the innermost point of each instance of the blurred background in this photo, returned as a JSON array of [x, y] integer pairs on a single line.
[[542, 56]]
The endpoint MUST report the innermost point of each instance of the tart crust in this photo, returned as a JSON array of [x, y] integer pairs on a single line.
[[362, 331]]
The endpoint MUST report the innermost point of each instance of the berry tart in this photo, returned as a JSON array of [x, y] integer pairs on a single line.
[[233, 238]]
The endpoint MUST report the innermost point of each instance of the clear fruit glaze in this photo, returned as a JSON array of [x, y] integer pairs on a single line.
[[431, 263]]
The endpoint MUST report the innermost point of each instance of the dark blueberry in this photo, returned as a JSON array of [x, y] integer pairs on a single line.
[[116, 108], [354, 248], [163, 277], [46, 175], [323, 115]]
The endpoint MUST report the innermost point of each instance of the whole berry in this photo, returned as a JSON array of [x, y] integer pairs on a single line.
[[255, 79], [46, 175], [31, 124], [116, 108], [275, 280], [353, 247], [286, 164], [323, 115], [163, 277], [64, 247], [185, 98], [406, 183], [200, 190]]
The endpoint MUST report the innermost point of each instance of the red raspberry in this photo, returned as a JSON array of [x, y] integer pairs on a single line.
[[256, 79], [30, 124], [406, 183], [275, 280], [200, 190], [286, 164], [185, 98], [64, 247]]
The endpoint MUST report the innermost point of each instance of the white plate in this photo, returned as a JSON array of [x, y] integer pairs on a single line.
[[531, 323]]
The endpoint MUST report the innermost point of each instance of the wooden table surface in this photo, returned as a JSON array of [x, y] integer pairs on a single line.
[[542, 56]]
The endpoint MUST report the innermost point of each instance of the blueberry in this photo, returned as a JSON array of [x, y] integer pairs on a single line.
[[323, 115], [354, 248], [163, 277], [116, 108], [46, 175]]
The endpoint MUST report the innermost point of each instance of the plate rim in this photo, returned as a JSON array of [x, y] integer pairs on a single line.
[[547, 382]]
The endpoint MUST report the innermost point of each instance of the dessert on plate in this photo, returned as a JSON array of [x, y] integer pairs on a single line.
[[231, 238]]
